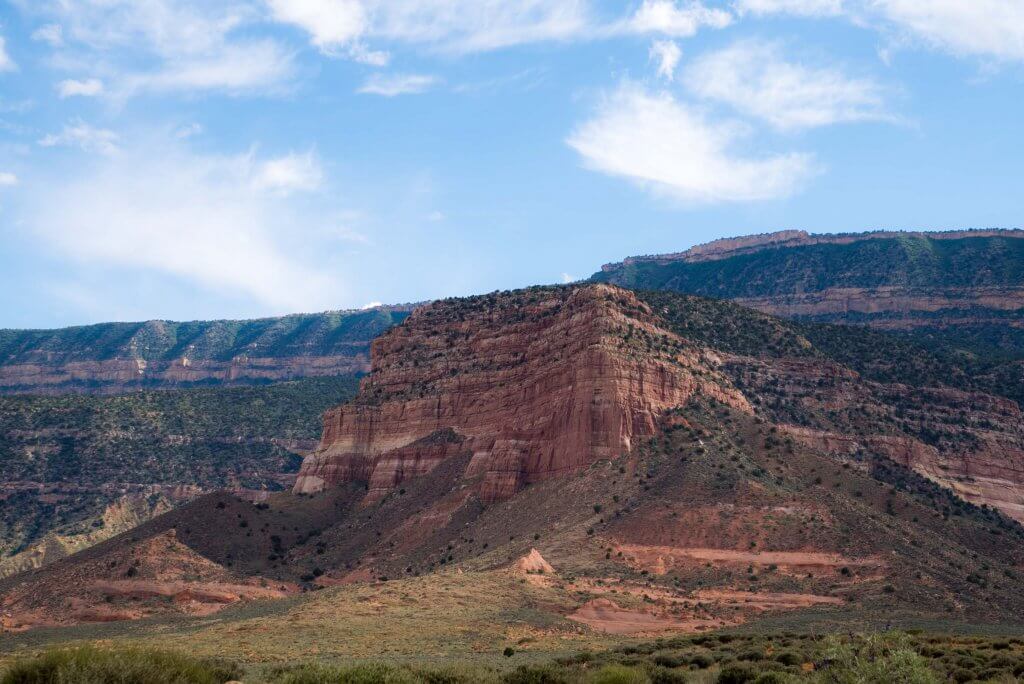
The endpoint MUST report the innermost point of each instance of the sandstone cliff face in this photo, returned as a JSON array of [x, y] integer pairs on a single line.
[[533, 384]]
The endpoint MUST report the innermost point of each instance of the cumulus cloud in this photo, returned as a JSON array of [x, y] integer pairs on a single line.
[[680, 19], [87, 88], [756, 79], [667, 54], [668, 147], [82, 135], [217, 222], [390, 85]]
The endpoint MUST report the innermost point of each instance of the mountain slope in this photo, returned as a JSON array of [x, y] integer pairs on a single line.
[[114, 357], [78, 468], [963, 288], [682, 464]]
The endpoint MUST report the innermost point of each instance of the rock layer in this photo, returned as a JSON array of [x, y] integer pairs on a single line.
[[533, 384]]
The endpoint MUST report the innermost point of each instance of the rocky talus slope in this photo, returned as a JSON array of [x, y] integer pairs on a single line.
[[533, 386], [115, 357]]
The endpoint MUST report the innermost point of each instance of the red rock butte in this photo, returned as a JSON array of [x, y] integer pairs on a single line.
[[528, 385]]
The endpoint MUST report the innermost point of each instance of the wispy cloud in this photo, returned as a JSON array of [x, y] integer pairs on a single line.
[[52, 34], [186, 45], [6, 63], [87, 88], [987, 28], [756, 78], [667, 54], [390, 85], [992, 29], [347, 27], [8, 179], [218, 222], [662, 144], [288, 174], [82, 135], [807, 8]]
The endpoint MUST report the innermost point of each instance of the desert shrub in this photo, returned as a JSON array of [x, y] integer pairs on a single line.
[[662, 675], [875, 659], [90, 665], [788, 658], [536, 674], [619, 674], [670, 660], [774, 678], [702, 661], [736, 674]]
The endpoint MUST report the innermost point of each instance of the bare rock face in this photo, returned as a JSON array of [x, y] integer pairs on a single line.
[[534, 384]]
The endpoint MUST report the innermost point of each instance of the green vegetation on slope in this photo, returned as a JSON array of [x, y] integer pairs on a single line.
[[204, 437], [324, 334], [876, 355], [725, 658], [910, 260]]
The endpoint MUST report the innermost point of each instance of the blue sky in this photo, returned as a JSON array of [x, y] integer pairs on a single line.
[[190, 159]]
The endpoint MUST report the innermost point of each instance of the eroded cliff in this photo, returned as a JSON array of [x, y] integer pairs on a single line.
[[533, 384]]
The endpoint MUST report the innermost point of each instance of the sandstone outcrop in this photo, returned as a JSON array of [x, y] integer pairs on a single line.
[[533, 384]]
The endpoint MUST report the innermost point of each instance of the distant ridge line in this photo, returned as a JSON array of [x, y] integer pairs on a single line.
[[724, 248]]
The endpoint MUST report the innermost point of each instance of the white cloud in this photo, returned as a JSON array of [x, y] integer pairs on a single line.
[[331, 24], [8, 179], [667, 54], [288, 174], [80, 134], [216, 222], [982, 28], [6, 63], [371, 305], [87, 88], [390, 85], [668, 147], [188, 131], [343, 27], [806, 8], [566, 278], [988, 28], [756, 79], [185, 45], [49, 33], [680, 19], [257, 66]]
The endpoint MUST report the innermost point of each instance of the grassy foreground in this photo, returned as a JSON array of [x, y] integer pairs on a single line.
[[892, 657]]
